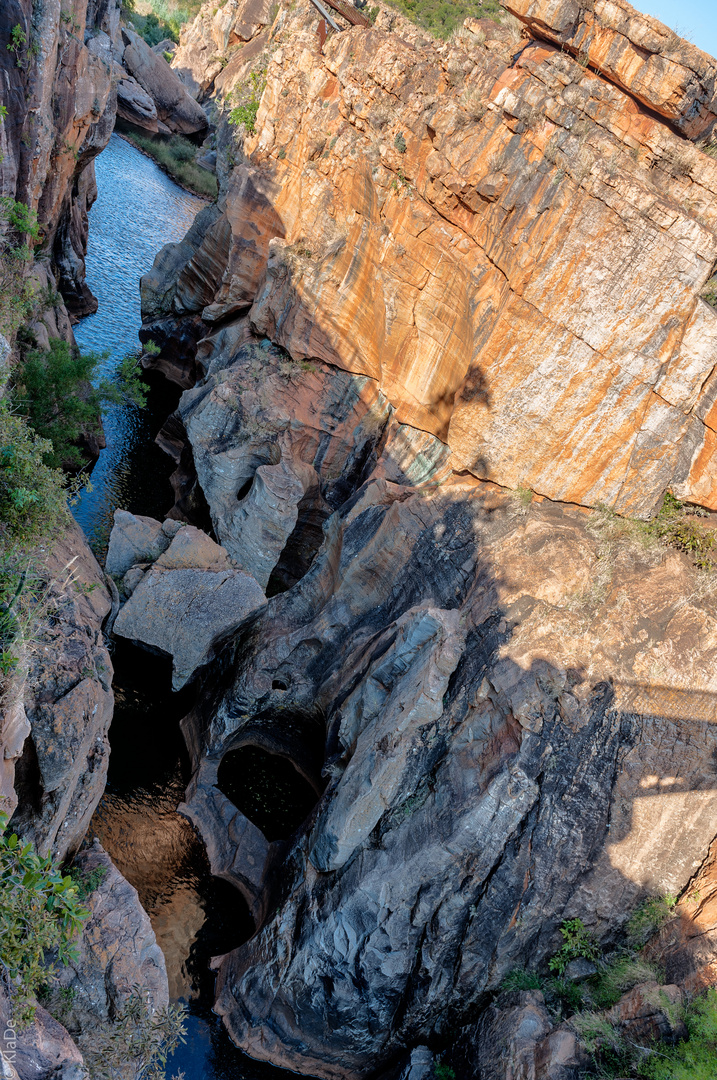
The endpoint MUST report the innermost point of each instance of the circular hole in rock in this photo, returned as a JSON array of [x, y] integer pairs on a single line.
[[279, 684], [245, 489], [267, 789]]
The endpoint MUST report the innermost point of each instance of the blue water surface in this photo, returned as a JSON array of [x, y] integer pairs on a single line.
[[138, 210]]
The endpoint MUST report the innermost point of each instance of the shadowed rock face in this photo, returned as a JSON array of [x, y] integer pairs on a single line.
[[498, 759], [61, 774], [506, 713], [61, 103]]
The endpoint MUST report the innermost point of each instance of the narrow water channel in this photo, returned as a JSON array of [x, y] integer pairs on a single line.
[[195, 916]]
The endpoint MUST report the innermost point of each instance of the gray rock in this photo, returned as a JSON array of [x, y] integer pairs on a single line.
[[42, 1051], [187, 612], [68, 702], [116, 952], [580, 969], [135, 104], [174, 105], [170, 527], [132, 579], [134, 539]]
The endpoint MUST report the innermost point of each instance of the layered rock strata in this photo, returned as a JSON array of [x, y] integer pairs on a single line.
[[505, 241]]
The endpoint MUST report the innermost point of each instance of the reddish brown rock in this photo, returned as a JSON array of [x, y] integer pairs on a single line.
[[215, 38], [635, 51], [522, 280]]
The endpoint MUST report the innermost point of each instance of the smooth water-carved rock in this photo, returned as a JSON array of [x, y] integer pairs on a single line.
[[175, 107], [486, 780]]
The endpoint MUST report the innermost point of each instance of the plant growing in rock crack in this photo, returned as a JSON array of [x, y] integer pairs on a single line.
[[649, 917], [247, 98], [40, 912], [578, 943]]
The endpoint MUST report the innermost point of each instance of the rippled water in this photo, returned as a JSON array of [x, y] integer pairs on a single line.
[[138, 210], [194, 915]]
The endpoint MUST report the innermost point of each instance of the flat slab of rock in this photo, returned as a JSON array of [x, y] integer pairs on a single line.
[[186, 603]]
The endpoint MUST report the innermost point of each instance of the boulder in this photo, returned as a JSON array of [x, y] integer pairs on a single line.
[[174, 106], [44, 1050], [189, 601], [134, 539], [135, 105]]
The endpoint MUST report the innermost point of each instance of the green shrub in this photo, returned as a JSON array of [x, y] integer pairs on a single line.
[[400, 143], [650, 917], [578, 943], [55, 391], [32, 494], [137, 1044], [40, 913], [521, 979], [86, 881], [18, 231], [441, 17], [696, 1057], [248, 98]]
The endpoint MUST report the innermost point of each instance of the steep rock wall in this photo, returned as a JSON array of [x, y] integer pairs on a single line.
[[61, 101], [508, 243]]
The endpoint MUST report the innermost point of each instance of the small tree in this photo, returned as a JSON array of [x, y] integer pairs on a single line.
[[40, 913]]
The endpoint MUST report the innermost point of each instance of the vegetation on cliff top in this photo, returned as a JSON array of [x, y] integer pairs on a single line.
[[442, 17], [157, 20]]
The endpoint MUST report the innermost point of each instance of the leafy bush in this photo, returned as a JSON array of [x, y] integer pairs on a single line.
[[696, 1057], [55, 392], [39, 912], [578, 943], [86, 881], [32, 494], [137, 1044], [18, 231]]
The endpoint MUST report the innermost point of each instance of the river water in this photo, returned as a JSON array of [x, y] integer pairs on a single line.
[[194, 915]]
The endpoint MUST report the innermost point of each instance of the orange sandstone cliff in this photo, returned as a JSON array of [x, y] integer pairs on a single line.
[[510, 239]]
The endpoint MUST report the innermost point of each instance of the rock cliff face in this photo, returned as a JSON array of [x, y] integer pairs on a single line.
[[57, 87], [431, 267], [509, 244], [68, 701]]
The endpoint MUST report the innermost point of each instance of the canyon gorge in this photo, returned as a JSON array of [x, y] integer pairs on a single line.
[[378, 654]]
